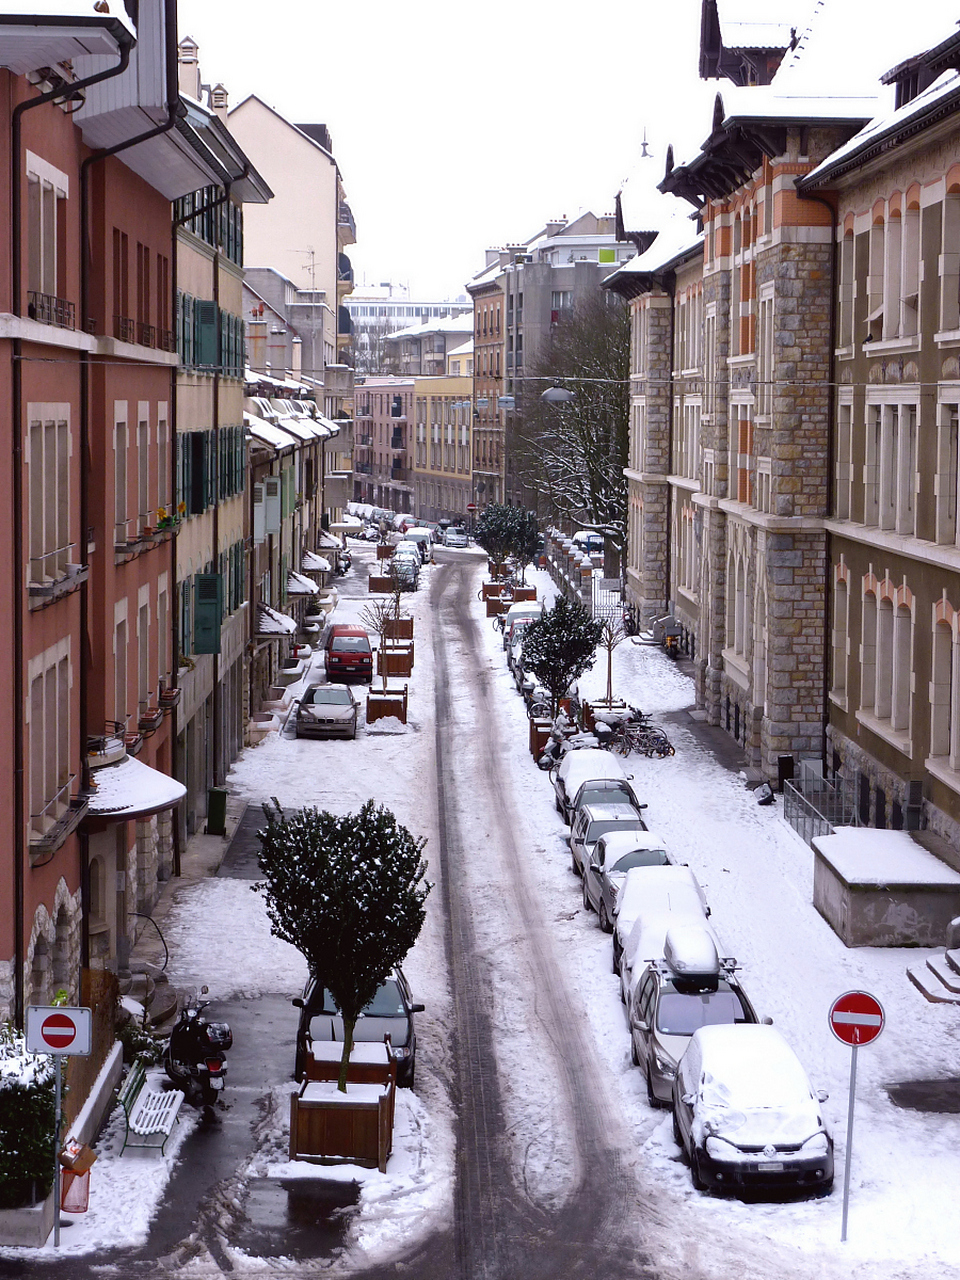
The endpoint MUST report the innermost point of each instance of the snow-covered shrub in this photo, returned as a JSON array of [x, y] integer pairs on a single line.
[[27, 1113]]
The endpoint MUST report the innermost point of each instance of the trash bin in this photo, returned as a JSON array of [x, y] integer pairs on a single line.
[[75, 1191], [217, 812]]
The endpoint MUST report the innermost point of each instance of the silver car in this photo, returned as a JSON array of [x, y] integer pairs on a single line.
[[327, 711], [593, 821], [614, 854]]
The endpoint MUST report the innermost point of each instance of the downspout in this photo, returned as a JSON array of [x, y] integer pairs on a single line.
[[173, 111], [65, 93], [670, 289], [831, 471]]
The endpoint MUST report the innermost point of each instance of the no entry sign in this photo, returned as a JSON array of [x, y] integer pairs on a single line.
[[59, 1030], [856, 1018]]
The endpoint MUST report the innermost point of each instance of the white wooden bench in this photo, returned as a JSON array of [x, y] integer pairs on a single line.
[[150, 1113]]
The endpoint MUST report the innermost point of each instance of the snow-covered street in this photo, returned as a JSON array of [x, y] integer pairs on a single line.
[[526, 912]]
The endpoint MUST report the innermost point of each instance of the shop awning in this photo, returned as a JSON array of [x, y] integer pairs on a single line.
[[298, 585], [312, 563], [131, 789]]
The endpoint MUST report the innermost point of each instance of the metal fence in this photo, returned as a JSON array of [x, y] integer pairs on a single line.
[[814, 806], [607, 600]]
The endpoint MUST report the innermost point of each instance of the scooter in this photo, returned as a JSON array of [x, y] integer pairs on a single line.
[[344, 561], [194, 1058]]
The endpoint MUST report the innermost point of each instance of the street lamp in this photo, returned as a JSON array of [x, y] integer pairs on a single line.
[[557, 395]]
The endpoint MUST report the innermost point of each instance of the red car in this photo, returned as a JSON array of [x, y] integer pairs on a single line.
[[347, 654]]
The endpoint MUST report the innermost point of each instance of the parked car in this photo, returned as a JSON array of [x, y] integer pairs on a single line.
[[519, 615], [390, 1012], [614, 854], [578, 767], [690, 987], [653, 893], [405, 570], [604, 791], [347, 653], [455, 536], [745, 1115], [593, 821], [424, 540], [327, 711]]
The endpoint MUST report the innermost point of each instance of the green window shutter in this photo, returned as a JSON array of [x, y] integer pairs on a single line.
[[188, 355], [205, 320], [186, 628], [208, 601], [198, 473]]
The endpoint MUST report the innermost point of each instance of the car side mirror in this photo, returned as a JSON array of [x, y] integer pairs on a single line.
[[417, 1008], [297, 1001], [767, 1020], [643, 1026], [822, 1095]]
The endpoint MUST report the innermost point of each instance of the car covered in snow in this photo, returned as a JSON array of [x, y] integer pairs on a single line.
[[578, 767], [614, 854], [595, 820], [648, 901], [605, 791], [745, 1115], [389, 1013], [326, 711], [691, 987]]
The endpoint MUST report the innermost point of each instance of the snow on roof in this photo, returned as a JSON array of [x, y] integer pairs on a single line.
[[755, 24], [302, 427], [862, 855], [943, 87], [310, 562], [132, 789], [298, 585], [642, 206], [464, 350], [449, 324], [328, 540], [678, 237], [617, 843], [268, 433], [840, 46], [270, 622], [750, 1065]]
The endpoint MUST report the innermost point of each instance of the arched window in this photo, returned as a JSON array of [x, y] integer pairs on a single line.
[[902, 673], [868, 653], [941, 690], [840, 625]]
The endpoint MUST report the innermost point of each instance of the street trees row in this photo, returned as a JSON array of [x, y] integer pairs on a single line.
[[508, 532]]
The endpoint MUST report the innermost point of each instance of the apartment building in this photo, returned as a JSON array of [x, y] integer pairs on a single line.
[[422, 349], [383, 444], [443, 417]]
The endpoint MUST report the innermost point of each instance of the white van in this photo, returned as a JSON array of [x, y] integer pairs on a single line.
[[424, 540]]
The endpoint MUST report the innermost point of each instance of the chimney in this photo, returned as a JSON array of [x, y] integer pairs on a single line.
[[219, 101], [189, 74]]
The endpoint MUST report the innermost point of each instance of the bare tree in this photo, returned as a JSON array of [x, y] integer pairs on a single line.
[[613, 634]]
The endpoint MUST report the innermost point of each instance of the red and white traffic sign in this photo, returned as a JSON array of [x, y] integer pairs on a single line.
[[856, 1018], [58, 1029], [471, 506]]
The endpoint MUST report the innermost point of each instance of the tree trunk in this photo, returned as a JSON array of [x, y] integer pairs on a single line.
[[609, 677], [348, 1026]]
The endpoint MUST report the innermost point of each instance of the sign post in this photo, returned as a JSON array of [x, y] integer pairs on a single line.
[[856, 1018], [58, 1030]]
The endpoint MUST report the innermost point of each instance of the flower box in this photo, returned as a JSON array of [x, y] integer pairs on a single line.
[[382, 704], [524, 593], [398, 628], [496, 606], [380, 583], [395, 661]]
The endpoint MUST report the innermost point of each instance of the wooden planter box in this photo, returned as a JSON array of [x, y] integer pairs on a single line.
[[384, 552], [497, 570], [395, 661], [496, 606], [331, 1127], [524, 593], [398, 628], [539, 735], [489, 590], [380, 583], [380, 705]]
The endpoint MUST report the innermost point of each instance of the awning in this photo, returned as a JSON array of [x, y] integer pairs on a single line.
[[268, 433], [271, 622], [312, 563], [298, 585], [332, 426], [131, 789], [325, 539]]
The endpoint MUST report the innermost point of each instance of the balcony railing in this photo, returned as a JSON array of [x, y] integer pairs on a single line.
[[365, 441], [146, 334], [396, 441], [50, 310], [55, 573], [166, 340], [124, 329], [62, 814], [364, 468]]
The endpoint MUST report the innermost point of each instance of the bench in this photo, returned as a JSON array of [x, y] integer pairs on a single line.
[[150, 1113]]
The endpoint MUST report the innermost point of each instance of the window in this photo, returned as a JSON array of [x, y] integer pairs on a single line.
[[846, 291], [897, 481], [950, 263], [844, 459], [50, 679], [841, 623], [49, 487], [871, 466], [120, 482], [47, 189], [943, 687], [868, 653], [765, 354], [947, 467]]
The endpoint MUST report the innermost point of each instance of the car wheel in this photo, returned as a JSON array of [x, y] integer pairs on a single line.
[[574, 865], [634, 1056], [652, 1099], [677, 1135], [604, 919], [587, 905], [695, 1175]]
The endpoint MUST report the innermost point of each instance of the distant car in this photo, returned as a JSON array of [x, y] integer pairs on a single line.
[[576, 768], [405, 570], [593, 821], [690, 987], [614, 854], [390, 1012], [327, 711], [347, 653], [672, 896], [455, 536], [423, 537], [745, 1115]]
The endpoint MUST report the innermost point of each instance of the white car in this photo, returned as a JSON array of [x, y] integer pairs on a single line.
[[614, 854], [455, 536], [595, 820], [650, 893], [575, 769]]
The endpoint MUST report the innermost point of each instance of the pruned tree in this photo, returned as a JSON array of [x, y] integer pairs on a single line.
[[560, 645], [613, 633], [527, 540], [349, 893], [569, 458]]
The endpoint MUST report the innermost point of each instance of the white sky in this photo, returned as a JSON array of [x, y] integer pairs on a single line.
[[459, 127]]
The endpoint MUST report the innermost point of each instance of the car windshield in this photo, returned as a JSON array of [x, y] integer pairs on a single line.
[[682, 1012], [387, 1003], [351, 644], [641, 858], [324, 695], [598, 792], [597, 828]]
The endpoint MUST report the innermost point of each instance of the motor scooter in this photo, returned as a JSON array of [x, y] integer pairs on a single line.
[[344, 561], [195, 1055]]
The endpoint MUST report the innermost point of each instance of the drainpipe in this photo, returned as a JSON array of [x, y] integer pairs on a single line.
[[64, 93], [831, 471], [173, 111], [670, 286]]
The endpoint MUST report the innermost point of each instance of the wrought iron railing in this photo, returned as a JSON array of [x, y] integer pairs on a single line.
[[815, 805], [124, 329], [50, 310]]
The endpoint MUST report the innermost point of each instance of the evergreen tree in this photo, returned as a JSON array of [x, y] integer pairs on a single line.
[[348, 892], [494, 530], [27, 1113], [560, 645]]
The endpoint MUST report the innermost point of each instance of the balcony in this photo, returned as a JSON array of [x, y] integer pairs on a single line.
[[363, 468], [345, 219], [57, 819], [47, 309], [54, 575], [124, 329], [146, 334], [166, 340], [396, 441], [401, 474], [365, 441]]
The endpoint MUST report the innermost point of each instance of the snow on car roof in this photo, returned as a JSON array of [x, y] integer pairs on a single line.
[[617, 843], [750, 1065], [577, 767]]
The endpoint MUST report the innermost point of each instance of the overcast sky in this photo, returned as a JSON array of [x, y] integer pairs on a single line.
[[461, 127]]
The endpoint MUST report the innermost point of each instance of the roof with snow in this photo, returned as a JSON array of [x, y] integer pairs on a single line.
[[267, 433], [298, 585], [679, 239], [271, 622], [449, 324], [310, 562], [131, 789]]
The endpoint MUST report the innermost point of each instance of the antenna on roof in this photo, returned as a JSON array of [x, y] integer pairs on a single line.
[[644, 149]]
